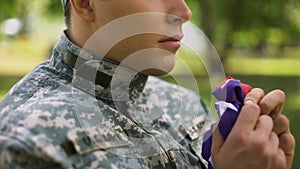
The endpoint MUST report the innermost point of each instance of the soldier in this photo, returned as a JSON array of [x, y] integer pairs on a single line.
[[96, 104]]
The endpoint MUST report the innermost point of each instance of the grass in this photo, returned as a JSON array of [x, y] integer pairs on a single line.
[[19, 57], [264, 66]]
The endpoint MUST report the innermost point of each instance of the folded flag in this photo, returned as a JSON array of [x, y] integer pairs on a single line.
[[230, 95]]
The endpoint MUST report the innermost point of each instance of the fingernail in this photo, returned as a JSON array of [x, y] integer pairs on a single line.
[[248, 101]]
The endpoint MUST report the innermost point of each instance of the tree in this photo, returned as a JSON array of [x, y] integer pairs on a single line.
[[248, 24], [9, 8]]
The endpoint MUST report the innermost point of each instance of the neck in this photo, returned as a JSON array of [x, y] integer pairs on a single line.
[[79, 32]]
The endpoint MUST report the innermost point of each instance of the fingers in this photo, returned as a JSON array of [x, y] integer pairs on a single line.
[[287, 144], [272, 103], [280, 162], [281, 124], [255, 95], [266, 144], [286, 139], [247, 118], [264, 125], [250, 111], [273, 144]]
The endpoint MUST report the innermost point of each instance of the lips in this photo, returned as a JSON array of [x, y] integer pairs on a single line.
[[171, 38], [171, 42]]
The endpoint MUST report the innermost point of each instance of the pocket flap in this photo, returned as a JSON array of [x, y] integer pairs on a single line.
[[82, 141]]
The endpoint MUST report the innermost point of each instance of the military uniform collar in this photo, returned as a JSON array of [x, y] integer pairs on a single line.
[[99, 76]]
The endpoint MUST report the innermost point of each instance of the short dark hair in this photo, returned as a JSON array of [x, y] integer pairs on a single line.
[[68, 15]]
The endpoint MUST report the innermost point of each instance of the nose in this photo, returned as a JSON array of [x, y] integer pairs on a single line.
[[180, 11]]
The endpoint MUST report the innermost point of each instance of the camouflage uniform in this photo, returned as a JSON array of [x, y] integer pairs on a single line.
[[76, 111]]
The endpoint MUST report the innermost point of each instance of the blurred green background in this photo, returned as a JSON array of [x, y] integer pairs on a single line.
[[258, 43]]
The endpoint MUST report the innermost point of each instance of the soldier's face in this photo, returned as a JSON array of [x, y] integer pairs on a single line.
[[153, 37]]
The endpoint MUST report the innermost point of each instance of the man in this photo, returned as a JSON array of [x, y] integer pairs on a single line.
[[99, 107]]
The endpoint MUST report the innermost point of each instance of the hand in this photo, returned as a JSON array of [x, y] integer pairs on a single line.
[[252, 142], [272, 104]]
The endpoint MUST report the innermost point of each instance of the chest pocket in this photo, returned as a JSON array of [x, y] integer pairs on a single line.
[[104, 147], [83, 141]]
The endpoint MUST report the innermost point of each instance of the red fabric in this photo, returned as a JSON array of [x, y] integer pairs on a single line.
[[246, 88]]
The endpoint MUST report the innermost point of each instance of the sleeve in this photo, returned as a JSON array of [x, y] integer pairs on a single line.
[[20, 149]]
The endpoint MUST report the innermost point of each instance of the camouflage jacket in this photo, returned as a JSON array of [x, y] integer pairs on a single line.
[[82, 111]]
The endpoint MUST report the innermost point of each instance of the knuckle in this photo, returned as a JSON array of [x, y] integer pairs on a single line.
[[243, 137], [275, 138], [280, 161], [284, 121], [259, 91], [252, 107], [260, 144], [255, 94], [273, 155], [265, 119], [289, 141], [265, 106]]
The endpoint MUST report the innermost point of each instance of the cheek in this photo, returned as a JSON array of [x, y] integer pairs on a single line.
[[110, 10], [107, 11], [142, 53]]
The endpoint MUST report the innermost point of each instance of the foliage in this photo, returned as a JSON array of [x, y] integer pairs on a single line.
[[233, 23], [250, 24], [21, 8], [53, 8], [255, 24], [9, 8]]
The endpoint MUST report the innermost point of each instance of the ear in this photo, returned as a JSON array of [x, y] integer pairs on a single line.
[[84, 9]]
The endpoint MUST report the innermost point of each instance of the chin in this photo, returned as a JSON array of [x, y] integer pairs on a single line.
[[159, 71], [161, 66], [155, 62]]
